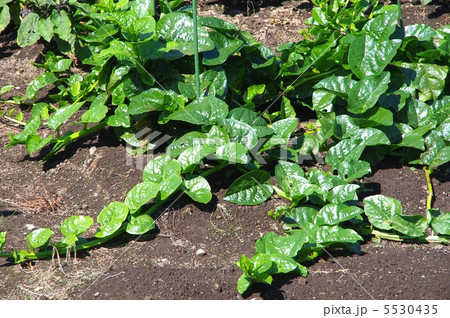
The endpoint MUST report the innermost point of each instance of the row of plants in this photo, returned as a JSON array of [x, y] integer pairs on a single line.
[[377, 88]]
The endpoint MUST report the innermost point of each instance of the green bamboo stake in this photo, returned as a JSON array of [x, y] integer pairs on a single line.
[[196, 57]]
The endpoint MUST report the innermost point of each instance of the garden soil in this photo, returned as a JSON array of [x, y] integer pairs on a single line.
[[192, 253]]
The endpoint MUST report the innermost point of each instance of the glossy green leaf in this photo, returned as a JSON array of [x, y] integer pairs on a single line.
[[343, 193], [233, 153], [422, 32], [28, 30], [76, 225], [440, 224], [438, 150], [345, 150], [333, 214], [97, 111], [45, 28], [187, 141], [121, 117], [370, 137], [141, 194], [241, 132], [203, 111], [178, 27], [365, 93], [5, 17], [382, 26], [35, 142], [138, 225], [352, 169], [326, 235], [154, 99], [39, 238], [111, 218], [40, 82], [251, 188], [252, 119], [5, 89], [224, 48], [386, 213], [368, 57], [160, 168], [198, 189], [62, 24], [63, 114], [288, 245], [194, 155], [217, 24], [429, 79], [336, 85]]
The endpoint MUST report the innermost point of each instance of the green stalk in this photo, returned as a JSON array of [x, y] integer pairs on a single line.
[[405, 238], [153, 7], [103, 240], [168, 5], [62, 142], [430, 188], [196, 56]]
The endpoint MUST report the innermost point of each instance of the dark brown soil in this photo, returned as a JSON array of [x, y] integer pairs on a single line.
[[163, 265]]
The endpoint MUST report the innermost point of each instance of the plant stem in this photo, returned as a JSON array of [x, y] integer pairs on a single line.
[[405, 238], [196, 56], [15, 120], [430, 188]]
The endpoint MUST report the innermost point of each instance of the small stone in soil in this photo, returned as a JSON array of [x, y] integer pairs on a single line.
[[200, 252]]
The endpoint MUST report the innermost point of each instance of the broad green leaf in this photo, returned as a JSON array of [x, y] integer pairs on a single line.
[[187, 141], [287, 110], [60, 66], [141, 194], [422, 32], [138, 225], [368, 57], [288, 245], [243, 283], [252, 119], [386, 213], [291, 178], [194, 155], [161, 168], [352, 169], [429, 79], [382, 26], [170, 185], [45, 28], [335, 234], [63, 114], [97, 111], [420, 114], [35, 142], [5, 17], [343, 193], [62, 24], [438, 151], [178, 27], [28, 30], [224, 48], [375, 116], [76, 225], [39, 238], [333, 214], [365, 93], [370, 137], [323, 100], [241, 132], [283, 129], [337, 85], [233, 153], [301, 217], [40, 82], [121, 117], [440, 224], [154, 99], [344, 151], [203, 111], [2, 240], [111, 218], [198, 189], [251, 188], [285, 170], [217, 24]]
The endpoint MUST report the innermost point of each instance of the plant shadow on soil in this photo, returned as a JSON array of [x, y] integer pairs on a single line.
[[163, 263]]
